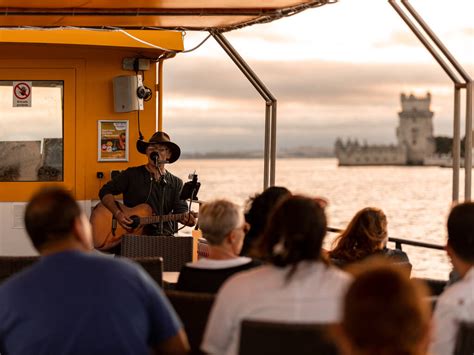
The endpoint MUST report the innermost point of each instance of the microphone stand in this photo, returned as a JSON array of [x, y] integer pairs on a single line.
[[162, 200], [162, 196]]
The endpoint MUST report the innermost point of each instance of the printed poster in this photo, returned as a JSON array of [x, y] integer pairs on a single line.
[[113, 140]]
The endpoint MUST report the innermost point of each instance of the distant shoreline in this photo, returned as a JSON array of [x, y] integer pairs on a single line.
[[299, 152], [223, 156]]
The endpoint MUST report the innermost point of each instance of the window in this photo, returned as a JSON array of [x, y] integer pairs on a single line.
[[31, 134]]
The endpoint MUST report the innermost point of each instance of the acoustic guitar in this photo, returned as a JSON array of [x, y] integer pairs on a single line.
[[107, 232]]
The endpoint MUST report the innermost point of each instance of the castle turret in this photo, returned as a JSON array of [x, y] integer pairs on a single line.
[[415, 130]]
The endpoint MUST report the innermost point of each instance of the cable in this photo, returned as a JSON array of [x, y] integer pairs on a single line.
[[140, 40], [158, 47], [189, 211], [115, 29], [199, 45], [140, 135], [148, 94]]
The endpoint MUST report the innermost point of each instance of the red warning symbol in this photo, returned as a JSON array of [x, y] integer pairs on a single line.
[[22, 91]]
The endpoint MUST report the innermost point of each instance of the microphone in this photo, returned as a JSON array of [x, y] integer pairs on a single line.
[[155, 158]]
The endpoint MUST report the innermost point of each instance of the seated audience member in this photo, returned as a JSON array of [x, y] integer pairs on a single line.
[[73, 301], [385, 313], [296, 285], [366, 235], [222, 225], [258, 211], [456, 303]]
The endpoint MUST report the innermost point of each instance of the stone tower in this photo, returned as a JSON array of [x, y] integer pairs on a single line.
[[415, 130]]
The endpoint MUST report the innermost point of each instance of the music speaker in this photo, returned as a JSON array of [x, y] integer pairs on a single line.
[[125, 93]]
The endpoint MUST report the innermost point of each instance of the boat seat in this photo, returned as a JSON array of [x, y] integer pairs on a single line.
[[259, 337], [175, 251], [10, 265]]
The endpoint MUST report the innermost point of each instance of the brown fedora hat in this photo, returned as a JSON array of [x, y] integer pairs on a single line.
[[160, 138]]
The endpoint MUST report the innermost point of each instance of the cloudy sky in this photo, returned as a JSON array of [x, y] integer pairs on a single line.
[[337, 71]]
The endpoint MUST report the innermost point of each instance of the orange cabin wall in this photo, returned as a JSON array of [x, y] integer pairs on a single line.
[[93, 69]]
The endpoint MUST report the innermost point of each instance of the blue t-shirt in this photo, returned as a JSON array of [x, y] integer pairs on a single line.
[[77, 303]]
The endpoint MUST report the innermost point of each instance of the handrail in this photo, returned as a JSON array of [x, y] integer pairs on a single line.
[[398, 241]]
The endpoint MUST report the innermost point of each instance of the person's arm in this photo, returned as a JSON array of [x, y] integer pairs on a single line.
[[115, 186], [189, 219], [175, 345], [108, 201]]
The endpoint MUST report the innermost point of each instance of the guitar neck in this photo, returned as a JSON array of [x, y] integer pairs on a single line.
[[164, 218]]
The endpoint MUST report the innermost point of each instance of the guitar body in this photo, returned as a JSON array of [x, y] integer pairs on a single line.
[[103, 223]]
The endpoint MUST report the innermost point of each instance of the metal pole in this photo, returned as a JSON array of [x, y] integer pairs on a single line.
[[468, 144], [266, 149], [468, 80], [273, 144], [244, 68], [425, 42], [160, 95], [270, 114], [458, 85], [437, 41], [456, 148]]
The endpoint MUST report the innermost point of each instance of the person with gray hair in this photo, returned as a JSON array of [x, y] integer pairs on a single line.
[[223, 226]]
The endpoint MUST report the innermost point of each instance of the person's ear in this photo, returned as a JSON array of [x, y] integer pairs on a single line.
[[449, 250], [231, 237]]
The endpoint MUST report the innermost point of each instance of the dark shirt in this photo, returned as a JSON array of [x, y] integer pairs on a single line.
[[193, 279], [138, 186], [77, 303], [393, 255]]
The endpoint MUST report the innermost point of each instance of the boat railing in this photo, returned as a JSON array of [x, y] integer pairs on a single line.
[[399, 241]]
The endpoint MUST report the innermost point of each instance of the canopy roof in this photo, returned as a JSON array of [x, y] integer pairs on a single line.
[[223, 15], [146, 42]]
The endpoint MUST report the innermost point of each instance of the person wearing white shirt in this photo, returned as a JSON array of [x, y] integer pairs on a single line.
[[296, 286], [456, 304]]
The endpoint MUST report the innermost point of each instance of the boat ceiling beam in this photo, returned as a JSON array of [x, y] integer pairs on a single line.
[[460, 79], [191, 15]]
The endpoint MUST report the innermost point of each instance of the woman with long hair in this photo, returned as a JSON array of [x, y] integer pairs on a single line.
[[295, 286], [365, 235]]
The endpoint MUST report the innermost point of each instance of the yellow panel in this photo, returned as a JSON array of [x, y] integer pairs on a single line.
[[164, 39]]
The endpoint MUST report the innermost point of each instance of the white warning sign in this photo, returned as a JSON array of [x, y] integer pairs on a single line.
[[22, 94]]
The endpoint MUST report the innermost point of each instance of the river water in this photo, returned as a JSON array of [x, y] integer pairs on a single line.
[[416, 200]]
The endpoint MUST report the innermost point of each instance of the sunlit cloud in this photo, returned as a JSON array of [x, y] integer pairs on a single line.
[[318, 101], [398, 38]]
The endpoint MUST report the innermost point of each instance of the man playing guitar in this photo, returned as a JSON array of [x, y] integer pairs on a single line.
[[149, 184]]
